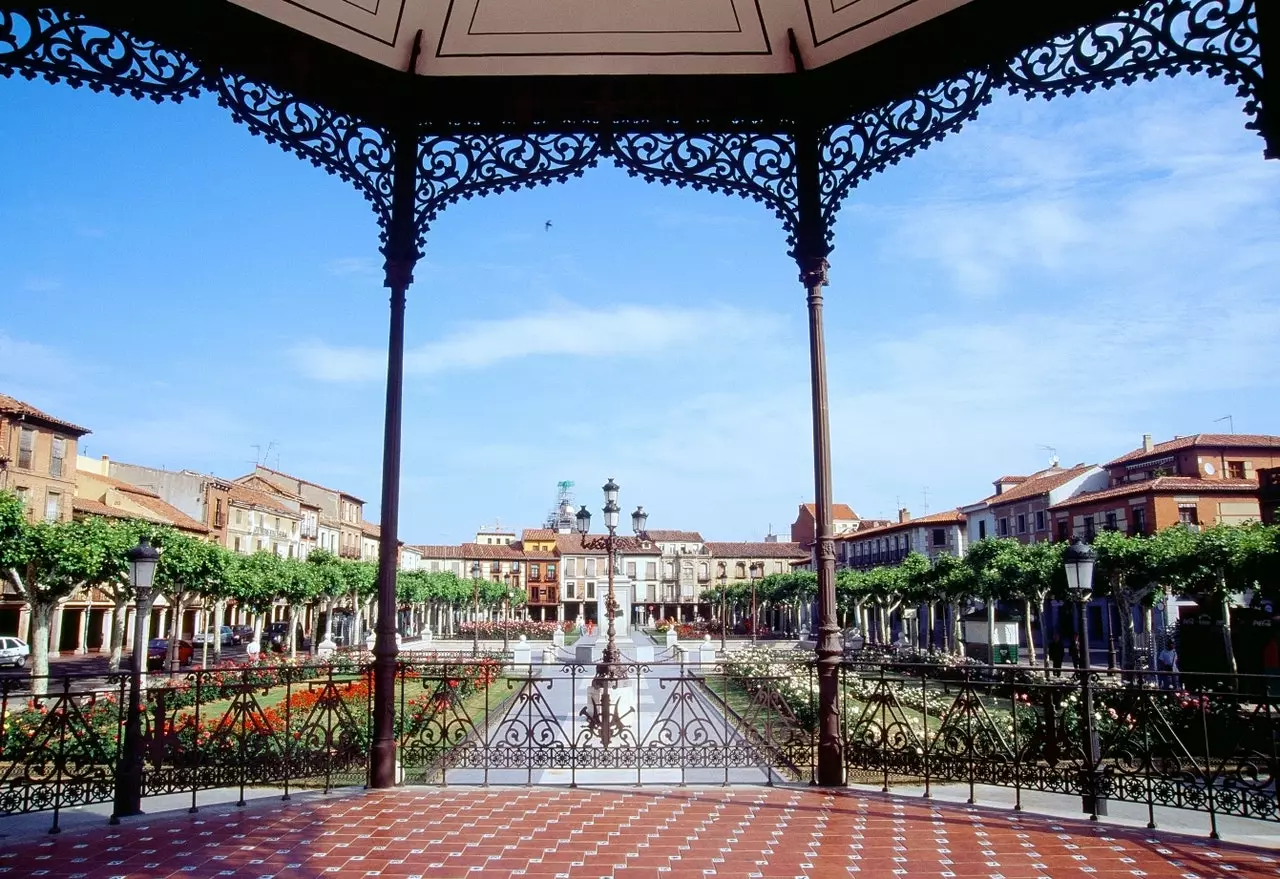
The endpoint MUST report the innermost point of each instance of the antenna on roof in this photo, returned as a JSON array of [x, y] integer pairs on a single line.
[[1053, 454], [1231, 422], [926, 499], [257, 454]]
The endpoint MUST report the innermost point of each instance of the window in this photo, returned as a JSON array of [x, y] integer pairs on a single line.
[[1004, 526], [551, 570], [52, 506], [433, 566], [571, 568], [26, 448], [237, 544], [24, 495], [534, 571], [982, 529], [1138, 517], [1064, 529], [1111, 521], [939, 536], [668, 570], [1235, 470], [570, 590], [704, 571], [1022, 523], [59, 453], [1040, 520], [590, 567], [591, 590], [1188, 514], [651, 570], [740, 570], [217, 513], [1088, 528], [239, 517], [631, 570]]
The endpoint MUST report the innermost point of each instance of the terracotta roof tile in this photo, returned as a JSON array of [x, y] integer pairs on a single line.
[[261, 469], [1210, 440], [490, 551], [271, 486], [161, 513], [1161, 484], [838, 511], [757, 550], [667, 536], [251, 497], [538, 534], [1040, 483], [371, 530], [947, 517], [13, 406], [439, 552]]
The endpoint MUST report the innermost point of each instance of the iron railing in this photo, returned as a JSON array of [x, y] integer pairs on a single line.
[[531, 717]]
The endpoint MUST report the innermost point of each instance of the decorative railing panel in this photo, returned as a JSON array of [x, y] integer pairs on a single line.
[[1157, 740]]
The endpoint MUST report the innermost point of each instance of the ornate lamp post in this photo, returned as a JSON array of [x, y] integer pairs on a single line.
[[475, 608], [128, 794], [755, 575], [610, 674], [1079, 561]]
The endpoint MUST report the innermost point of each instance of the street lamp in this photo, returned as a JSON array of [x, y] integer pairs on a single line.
[[142, 571], [755, 575], [1079, 560], [609, 671], [475, 608]]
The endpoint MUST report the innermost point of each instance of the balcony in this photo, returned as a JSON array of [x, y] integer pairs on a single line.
[[349, 552], [273, 533], [309, 529]]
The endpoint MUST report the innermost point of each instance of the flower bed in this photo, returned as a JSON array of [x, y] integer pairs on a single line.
[[492, 630]]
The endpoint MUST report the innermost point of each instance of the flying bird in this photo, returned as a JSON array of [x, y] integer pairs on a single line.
[[547, 227]]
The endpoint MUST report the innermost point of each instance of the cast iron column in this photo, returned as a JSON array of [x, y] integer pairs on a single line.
[[1269, 49], [401, 252], [811, 255]]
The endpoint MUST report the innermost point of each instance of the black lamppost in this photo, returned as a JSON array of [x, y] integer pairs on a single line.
[[609, 670], [128, 794], [755, 575], [475, 608], [1079, 560]]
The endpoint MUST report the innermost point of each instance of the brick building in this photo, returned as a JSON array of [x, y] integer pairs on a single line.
[[38, 459]]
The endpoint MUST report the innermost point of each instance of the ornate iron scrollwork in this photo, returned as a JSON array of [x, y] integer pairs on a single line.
[[1217, 37], [344, 145], [65, 47], [452, 167]]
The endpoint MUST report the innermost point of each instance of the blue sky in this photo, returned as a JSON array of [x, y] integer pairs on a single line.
[[1070, 274]]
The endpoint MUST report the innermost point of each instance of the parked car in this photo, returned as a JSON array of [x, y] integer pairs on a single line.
[[158, 651], [229, 637], [276, 637], [13, 651], [243, 633]]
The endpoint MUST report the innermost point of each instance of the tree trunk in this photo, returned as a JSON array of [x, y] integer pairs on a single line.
[[175, 629], [957, 630], [931, 620], [1226, 630], [356, 635], [1128, 630], [291, 620], [119, 612], [41, 613], [1031, 642], [991, 633], [1044, 632], [219, 615], [1148, 623]]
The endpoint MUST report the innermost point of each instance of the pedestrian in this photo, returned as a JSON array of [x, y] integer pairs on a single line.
[[1167, 667], [1073, 649], [1056, 652]]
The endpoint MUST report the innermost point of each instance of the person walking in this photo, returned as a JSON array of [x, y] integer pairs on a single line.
[[1056, 652], [1167, 666]]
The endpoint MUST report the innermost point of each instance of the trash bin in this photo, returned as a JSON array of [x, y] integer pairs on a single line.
[[1007, 654]]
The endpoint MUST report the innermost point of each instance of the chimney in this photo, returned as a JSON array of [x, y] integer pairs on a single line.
[[1147, 445], [904, 515]]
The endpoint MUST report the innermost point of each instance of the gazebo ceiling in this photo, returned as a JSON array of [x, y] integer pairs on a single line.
[[532, 37], [500, 62]]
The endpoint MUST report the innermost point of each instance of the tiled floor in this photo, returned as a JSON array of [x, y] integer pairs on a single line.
[[748, 832]]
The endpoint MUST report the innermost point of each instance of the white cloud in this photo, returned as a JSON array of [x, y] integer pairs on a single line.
[[346, 266], [624, 331]]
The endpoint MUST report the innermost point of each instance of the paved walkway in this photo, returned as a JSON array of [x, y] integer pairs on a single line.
[[742, 831]]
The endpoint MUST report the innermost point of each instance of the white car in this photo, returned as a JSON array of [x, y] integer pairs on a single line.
[[13, 651]]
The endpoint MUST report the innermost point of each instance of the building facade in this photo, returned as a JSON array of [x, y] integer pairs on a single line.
[[541, 573], [1021, 511], [38, 459], [684, 571], [934, 535]]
